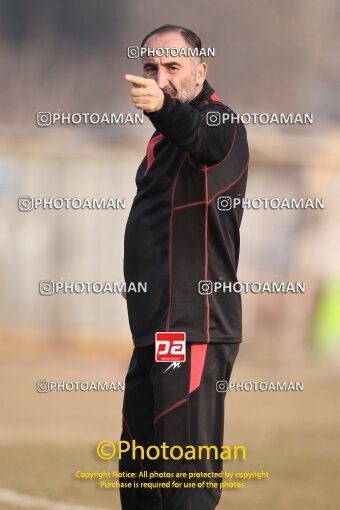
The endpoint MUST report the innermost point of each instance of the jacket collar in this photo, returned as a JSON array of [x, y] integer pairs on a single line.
[[204, 94]]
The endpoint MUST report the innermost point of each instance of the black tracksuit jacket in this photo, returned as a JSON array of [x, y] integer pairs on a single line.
[[175, 235]]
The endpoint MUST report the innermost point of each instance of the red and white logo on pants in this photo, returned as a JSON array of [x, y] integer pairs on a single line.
[[170, 346]]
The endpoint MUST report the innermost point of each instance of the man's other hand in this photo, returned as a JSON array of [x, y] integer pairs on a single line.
[[145, 93]]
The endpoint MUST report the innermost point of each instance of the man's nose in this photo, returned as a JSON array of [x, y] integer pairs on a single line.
[[162, 79]]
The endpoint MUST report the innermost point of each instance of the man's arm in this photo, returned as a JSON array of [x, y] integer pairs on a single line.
[[185, 126]]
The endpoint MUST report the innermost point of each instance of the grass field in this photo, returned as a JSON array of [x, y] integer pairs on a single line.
[[46, 438]]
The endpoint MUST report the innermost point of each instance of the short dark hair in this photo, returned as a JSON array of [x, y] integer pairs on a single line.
[[188, 35]]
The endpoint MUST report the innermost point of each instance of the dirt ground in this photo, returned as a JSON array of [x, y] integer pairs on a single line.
[[46, 437]]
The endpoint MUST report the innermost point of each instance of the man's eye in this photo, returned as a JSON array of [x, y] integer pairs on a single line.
[[173, 68]]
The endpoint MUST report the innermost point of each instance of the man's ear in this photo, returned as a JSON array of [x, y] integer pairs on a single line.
[[201, 73]]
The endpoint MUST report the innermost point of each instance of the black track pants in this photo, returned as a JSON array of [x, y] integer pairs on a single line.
[[178, 405]]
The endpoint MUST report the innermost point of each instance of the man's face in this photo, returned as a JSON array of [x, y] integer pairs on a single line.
[[180, 77]]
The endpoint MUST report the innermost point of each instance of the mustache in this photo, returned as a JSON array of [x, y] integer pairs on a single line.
[[168, 89]]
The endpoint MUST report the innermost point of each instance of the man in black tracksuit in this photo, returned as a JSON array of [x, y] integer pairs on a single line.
[[176, 238]]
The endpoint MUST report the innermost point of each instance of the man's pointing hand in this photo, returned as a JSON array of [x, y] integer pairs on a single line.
[[145, 93]]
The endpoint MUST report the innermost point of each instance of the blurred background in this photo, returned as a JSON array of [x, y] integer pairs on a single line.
[[70, 56]]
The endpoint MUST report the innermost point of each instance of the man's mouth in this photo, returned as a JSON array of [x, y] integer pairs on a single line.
[[170, 91]]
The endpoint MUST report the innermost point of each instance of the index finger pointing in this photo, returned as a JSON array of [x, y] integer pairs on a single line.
[[136, 80]]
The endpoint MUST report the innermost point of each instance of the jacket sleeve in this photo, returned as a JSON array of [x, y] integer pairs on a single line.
[[188, 128]]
